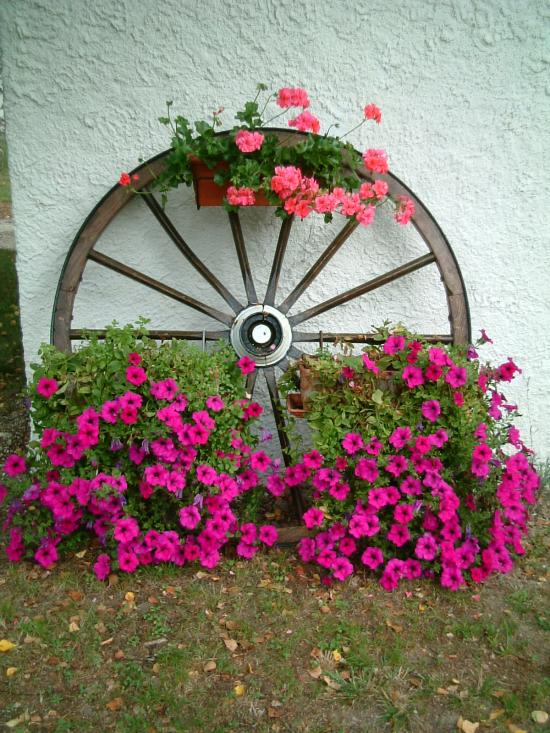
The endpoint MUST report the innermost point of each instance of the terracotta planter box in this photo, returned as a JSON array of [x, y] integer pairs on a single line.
[[208, 193], [299, 403]]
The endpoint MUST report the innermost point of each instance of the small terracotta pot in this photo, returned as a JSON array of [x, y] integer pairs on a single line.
[[208, 193]]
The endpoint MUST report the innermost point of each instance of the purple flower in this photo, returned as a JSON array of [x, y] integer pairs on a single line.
[[198, 500], [116, 444]]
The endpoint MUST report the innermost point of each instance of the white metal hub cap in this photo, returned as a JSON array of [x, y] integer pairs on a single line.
[[263, 333]]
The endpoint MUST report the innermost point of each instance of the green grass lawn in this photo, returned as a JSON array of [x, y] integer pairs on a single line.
[[262, 646], [12, 367], [5, 191]]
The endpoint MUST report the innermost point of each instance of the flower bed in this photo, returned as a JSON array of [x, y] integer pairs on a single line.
[[149, 449], [428, 478]]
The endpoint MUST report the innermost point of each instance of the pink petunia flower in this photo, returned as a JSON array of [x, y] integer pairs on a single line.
[[46, 387], [456, 376], [393, 344], [341, 568], [268, 535], [431, 410], [102, 567], [372, 557], [136, 375], [313, 518], [14, 465], [134, 359], [412, 376], [189, 517], [246, 365], [215, 403], [352, 443]]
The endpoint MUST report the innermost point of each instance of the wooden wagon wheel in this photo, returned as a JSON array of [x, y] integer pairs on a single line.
[[261, 328]]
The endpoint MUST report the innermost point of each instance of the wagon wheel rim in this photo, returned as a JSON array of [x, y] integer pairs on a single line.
[[260, 329]]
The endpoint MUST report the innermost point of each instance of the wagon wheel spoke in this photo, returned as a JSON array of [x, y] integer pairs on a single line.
[[315, 269], [251, 383], [188, 253], [78, 334], [269, 373], [366, 287], [294, 352], [283, 365], [278, 260], [243, 257], [140, 277], [360, 338]]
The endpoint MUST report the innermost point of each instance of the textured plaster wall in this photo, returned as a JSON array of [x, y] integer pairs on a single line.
[[465, 92]]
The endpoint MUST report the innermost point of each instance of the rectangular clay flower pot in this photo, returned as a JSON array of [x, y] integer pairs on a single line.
[[208, 193]]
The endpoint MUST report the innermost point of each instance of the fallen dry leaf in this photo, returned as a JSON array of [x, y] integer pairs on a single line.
[[239, 689], [113, 579], [394, 627], [156, 668], [274, 712], [316, 672], [75, 595], [106, 642], [231, 644], [130, 597], [119, 654], [17, 721], [10, 671], [331, 683], [80, 554], [210, 666], [336, 656], [115, 704], [6, 646], [73, 627], [513, 728], [494, 714], [540, 716], [466, 726]]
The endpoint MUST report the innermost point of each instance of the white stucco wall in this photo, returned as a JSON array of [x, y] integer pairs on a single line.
[[465, 93]]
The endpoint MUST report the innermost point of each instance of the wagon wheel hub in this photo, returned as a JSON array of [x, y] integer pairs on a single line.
[[262, 333]]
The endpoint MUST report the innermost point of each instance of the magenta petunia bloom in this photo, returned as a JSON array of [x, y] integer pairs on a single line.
[[313, 518], [136, 375], [126, 529], [134, 359], [46, 387], [372, 557], [456, 376], [14, 465], [393, 344], [102, 567], [426, 547], [412, 376], [352, 443], [246, 365], [431, 410], [366, 469], [341, 568], [215, 403], [399, 534], [268, 535], [46, 555], [369, 364], [260, 461]]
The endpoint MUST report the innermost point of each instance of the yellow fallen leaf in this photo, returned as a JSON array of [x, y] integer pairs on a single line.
[[231, 644], [73, 627], [129, 597], [336, 656], [239, 689], [494, 714], [513, 728], [10, 671], [80, 554], [443, 691], [156, 668], [210, 666], [540, 716], [6, 646], [466, 726], [17, 721]]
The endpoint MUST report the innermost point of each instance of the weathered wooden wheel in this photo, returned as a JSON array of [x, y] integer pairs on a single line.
[[260, 327]]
